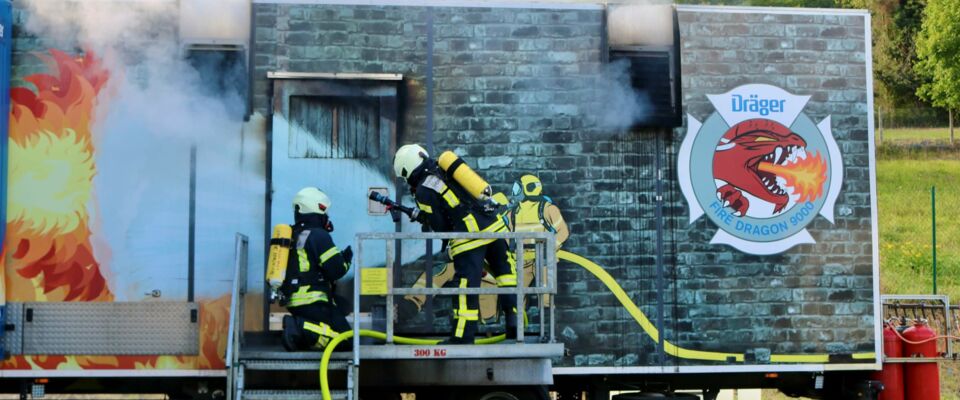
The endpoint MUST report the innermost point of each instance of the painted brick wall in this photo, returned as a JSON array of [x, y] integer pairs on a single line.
[[814, 298], [26, 45], [515, 92]]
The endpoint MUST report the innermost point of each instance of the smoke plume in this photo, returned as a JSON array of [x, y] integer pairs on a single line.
[[160, 102], [620, 104]]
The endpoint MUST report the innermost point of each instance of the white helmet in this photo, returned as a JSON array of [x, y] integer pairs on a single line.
[[408, 158], [311, 200]]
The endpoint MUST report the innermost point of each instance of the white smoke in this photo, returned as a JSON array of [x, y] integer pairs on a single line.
[[631, 24], [156, 106], [620, 105]]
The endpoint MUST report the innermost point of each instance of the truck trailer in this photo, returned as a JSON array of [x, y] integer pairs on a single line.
[[693, 190]]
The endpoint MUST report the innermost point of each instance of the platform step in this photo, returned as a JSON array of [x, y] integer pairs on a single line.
[[292, 365], [291, 395]]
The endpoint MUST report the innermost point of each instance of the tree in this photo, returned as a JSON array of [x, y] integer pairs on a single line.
[[895, 27], [795, 3], [938, 52]]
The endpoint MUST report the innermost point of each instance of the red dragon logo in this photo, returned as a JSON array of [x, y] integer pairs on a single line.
[[765, 159]]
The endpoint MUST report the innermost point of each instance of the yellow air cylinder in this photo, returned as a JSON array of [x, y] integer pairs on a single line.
[[280, 244], [464, 175]]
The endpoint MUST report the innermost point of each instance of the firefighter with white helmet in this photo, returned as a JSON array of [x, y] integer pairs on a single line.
[[446, 206], [313, 267]]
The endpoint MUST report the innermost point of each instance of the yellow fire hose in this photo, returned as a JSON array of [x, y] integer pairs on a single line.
[[327, 351], [625, 301], [670, 348]]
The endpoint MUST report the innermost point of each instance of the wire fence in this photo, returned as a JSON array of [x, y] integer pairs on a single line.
[[914, 117], [914, 125]]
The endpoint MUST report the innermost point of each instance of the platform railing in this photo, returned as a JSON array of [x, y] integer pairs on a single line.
[[935, 309], [545, 260], [235, 328]]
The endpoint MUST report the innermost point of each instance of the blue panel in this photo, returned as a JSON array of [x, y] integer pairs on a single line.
[[6, 45]]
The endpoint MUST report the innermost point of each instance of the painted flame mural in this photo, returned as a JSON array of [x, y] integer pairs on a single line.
[[806, 176], [48, 250]]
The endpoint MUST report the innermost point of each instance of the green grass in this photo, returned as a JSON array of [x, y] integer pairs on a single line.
[[909, 163], [917, 135], [903, 196]]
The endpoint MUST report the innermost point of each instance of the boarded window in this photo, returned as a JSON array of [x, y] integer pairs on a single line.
[[334, 127]]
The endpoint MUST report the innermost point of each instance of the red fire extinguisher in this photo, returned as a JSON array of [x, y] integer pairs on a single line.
[[921, 380], [892, 374]]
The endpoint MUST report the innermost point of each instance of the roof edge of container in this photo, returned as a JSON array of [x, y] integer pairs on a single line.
[[770, 10], [442, 3]]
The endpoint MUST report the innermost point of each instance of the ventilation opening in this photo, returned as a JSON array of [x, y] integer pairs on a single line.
[[648, 40]]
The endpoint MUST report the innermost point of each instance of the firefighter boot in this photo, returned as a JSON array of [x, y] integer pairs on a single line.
[[291, 334], [464, 336], [407, 310], [511, 323]]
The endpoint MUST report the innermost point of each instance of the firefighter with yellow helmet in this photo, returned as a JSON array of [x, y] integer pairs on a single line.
[[448, 205], [314, 264], [532, 211]]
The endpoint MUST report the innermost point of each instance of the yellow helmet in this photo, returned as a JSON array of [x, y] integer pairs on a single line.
[[407, 159], [311, 200], [531, 185]]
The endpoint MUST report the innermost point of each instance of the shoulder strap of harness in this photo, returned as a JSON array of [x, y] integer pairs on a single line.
[[312, 272], [434, 183], [543, 220], [440, 182]]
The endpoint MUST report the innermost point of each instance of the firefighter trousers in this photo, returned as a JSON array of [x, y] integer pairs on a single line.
[[468, 268], [312, 326]]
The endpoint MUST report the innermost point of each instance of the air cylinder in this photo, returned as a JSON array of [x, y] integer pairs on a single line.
[[464, 175], [280, 244], [892, 374], [921, 379]]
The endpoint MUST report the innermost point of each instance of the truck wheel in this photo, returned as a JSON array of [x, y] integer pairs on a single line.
[[499, 396], [654, 396], [519, 393]]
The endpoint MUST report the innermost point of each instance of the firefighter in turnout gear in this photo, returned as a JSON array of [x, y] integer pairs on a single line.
[[532, 211], [445, 206], [314, 265]]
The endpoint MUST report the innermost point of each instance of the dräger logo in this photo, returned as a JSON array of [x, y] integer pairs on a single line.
[[753, 103], [760, 169]]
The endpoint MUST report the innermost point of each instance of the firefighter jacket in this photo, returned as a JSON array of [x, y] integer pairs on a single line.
[[539, 215], [313, 267], [452, 209]]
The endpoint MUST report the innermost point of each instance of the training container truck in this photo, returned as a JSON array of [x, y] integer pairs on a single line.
[[692, 191]]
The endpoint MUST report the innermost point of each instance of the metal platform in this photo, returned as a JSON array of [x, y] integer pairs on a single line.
[[409, 365], [411, 352], [290, 394], [291, 365], [261, 369]]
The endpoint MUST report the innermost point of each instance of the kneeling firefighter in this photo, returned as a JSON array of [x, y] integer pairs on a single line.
[[313, 266], [447, 206]]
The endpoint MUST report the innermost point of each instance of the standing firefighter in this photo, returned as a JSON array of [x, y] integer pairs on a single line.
[[446, 206], [532, 211], [314, 265]]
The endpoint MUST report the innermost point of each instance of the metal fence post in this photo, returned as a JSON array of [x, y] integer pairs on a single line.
[[933, 216], [388, 313], [356, 302], [521, 310]]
